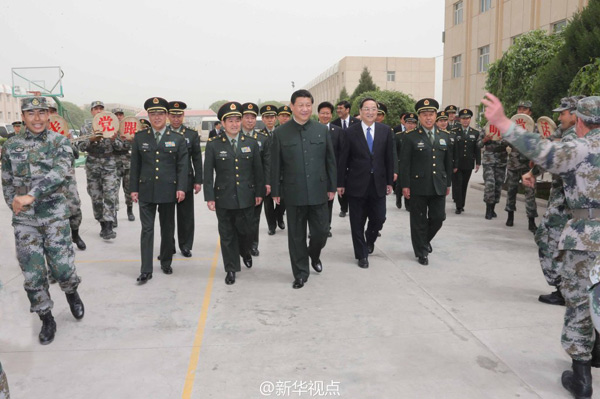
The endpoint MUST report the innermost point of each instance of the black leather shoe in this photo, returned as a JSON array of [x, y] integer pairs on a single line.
[[166, 269], [130, 215], [378, 234], [144, 277], [342, 214], [271, 232], [329, 234], [462, 209], [429, 248], [230, 278], [510, 220], [298, 283], [248, 261], [363, 263], [48, 328], [76, 305], [174, 252], [317, 265], [370, 248], [457, 211], [554, 298], [423, 260], [186, 252], [281, 225], [254, 252]]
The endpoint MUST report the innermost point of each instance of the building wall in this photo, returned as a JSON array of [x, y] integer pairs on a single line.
[[10, 108], [496, 27], [413, 76]]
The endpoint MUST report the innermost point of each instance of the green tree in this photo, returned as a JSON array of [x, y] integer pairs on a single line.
[[587, 80], [216, 105], [582, 45], [343, 95], [74, 115], [365, 83], [511, 77], [273, 102], [396, 102]]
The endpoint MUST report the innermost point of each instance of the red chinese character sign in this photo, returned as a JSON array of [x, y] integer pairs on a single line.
[[493, 132], [546, 126], [106, 124], [128, 127], [58, 124], [524, 121]]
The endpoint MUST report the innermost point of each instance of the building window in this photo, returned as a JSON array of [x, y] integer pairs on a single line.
[[456, 65], [391, 76], [484, 58], [485, 5], [559, 26], [458, 13]]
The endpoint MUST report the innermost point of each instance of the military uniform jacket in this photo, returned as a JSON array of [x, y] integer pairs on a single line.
[[238, 177], [425, 168], [158, 170], [192, 144], [303, 166], [263, 139], [467, 153], [37, 166]]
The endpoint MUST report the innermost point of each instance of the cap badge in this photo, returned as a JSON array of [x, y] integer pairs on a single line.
[[268, 107], [176, 105], [426, 102], [232, 107], [35, 101], [155, 101], [250, 106]]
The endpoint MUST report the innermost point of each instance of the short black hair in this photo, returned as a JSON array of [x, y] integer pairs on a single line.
[[217, 123], [345, 103], [302, 93], [364, 100], [325, 104]]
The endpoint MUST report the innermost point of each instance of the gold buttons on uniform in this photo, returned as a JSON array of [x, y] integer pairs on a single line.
[[237, 167], [237, 175], [238, 183], [434, 172], [157, 153], [433, 164], [156, 177], [434, 157], [156, 168]]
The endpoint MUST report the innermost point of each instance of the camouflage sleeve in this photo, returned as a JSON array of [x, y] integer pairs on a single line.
[[7, 178], [555, 157], [60, 169], [117, 144]]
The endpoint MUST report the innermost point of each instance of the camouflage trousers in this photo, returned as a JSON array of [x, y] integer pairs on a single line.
[[4, 394], [103, 187], [513, 177], [493, 177], [547, 237], [73, 201], [123, 170], [38, 245], [578, 334]]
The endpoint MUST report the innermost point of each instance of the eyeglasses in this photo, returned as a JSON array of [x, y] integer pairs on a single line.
[[369, 109]]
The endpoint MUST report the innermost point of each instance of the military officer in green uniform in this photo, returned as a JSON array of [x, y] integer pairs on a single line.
[[17, 126], [233, 186], [268, 113], [249, 114], [185, 208], [284, 114], [381, 112], [159, 174], [303, 170], [451, 111], [467, 155], [425, 177], [410, 123]]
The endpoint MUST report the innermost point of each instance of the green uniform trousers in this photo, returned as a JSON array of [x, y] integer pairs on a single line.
[[235, 231]]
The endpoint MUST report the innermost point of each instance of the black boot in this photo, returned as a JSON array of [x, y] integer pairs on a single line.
[[554, 298], [76, 305], [511, 218], [596, 352], [578, 381], [130, 213], [398, 202], [103, 229], [77, 240], [115, 223], [532, 226], [488, 211], [494, 214], [48, 328], [110, 233]]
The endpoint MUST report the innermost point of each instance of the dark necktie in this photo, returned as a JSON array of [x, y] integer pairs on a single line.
[[344, 124], [157, 137], [233, 146], [430, 134], [369, 139]]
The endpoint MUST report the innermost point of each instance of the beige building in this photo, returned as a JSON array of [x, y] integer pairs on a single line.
[[414, 76], [478, 32], [10, 107]]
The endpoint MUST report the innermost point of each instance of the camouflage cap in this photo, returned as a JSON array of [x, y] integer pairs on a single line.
[[52, 104], [524, 104], [95, 104], [566, 103], [31, 103], [588, 110], [117, 111]]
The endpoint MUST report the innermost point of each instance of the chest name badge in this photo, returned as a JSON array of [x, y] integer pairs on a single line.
[[471, 136], [442, 142], [169, 144], [145, 146], [420, 144], [246, 150], [223, 154], [187, 140]]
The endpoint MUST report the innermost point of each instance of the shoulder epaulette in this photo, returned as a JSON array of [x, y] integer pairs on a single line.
[[411, 130], [246, 137], [263, 133], [143, 131], [213, 138]]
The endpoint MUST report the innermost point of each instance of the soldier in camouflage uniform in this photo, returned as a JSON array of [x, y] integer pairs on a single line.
[[123, 159], [577, 163], [517, 166], [249, 114], [35, 165], [493, 159], [101, 169], [4, 394]]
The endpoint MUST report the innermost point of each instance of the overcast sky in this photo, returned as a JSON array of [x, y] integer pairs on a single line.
[[202, 51]]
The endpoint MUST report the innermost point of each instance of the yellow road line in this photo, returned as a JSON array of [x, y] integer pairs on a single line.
[[133, 260], [195, 356]]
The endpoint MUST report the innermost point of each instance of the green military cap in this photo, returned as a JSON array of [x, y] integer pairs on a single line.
[[95, 104], [176, 107], [524, 104], [231, 108], [465, 113], [249, 108], [30, 103], [381, 108], [17, 123], [268, 110], [117, 111], [588, 110], [156, 104], [284, 109], [441, 115], [426, 104], [410, 117], [451, 109]]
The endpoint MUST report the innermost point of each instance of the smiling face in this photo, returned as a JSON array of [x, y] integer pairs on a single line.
[[232, 125], [248, 122], [442, 124], [36, 120], [427, 119], [325, 115], [302, 109], [269, 121], [342, 111], [158, 119], [176, 120], [368, 112]]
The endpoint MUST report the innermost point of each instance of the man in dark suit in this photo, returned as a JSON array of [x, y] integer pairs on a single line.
[[366, 175], [284, 114], [344, 120], [159, 173], [467, 155], [237, 187], [425, 177], [409, 122], [185, 208], [303, 171], [215, 131], [325, 113]]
